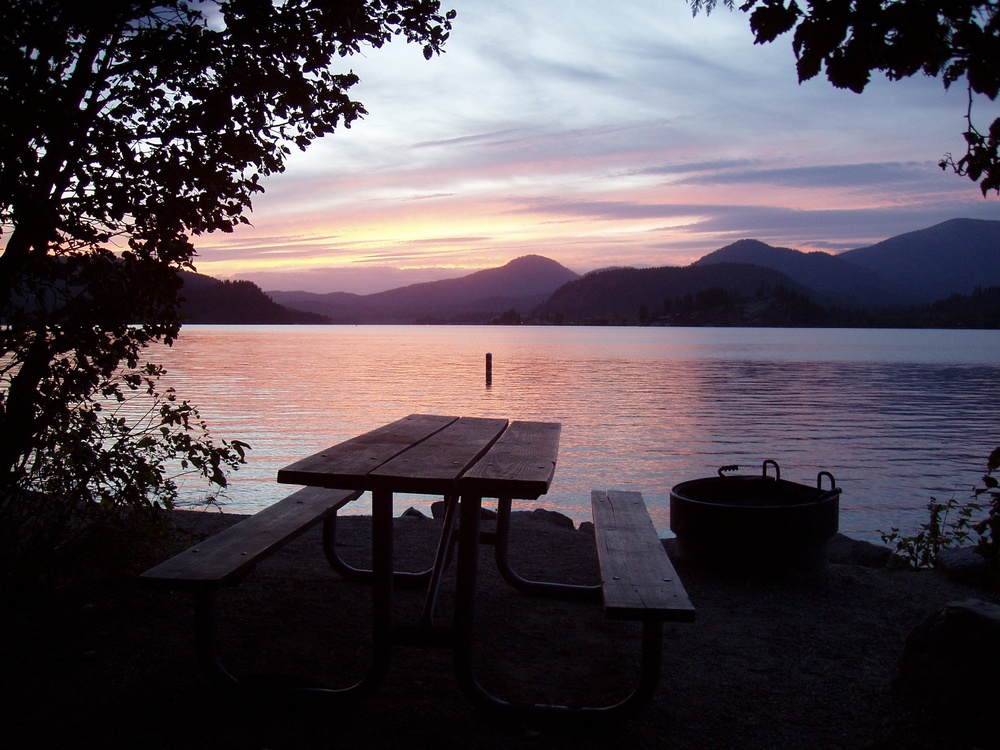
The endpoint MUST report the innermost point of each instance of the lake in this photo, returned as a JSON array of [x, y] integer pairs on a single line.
[[897, 416]]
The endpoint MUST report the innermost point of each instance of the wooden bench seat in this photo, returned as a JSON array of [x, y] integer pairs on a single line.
[[638, 580], [226, 557]]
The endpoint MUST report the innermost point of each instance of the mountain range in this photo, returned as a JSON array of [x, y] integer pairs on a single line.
[[208, 300], [747, 282], [521, 285], [915, 268]]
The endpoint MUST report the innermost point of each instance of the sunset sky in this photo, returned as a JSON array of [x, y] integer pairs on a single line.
[[597, 134]]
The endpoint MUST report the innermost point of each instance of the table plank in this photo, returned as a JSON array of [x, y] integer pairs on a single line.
[[433, 466], [347, 465], [520, 464]]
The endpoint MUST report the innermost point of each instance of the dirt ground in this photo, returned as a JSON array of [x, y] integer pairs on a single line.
[[767, 664]]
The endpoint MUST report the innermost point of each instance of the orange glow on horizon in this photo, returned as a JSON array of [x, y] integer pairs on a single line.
[[583, 221]]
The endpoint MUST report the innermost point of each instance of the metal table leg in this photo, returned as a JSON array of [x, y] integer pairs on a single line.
[[539, 588], [382, 585], [363, 575], [441, 560], [468, 560]]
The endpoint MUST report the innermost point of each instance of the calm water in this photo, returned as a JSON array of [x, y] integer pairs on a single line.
[[896, 416]]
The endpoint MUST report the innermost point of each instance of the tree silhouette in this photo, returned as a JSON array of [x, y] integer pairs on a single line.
[[128, 128]]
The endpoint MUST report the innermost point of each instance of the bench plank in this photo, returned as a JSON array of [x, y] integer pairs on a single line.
[[227, 556], [638, 580]]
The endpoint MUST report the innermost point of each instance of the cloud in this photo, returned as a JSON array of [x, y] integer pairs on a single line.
[[711, 167], [604, 133], [357, 280], [819, 175], [608, 209]]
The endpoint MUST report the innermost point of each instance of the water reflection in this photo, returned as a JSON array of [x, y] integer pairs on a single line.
[[896, 416]]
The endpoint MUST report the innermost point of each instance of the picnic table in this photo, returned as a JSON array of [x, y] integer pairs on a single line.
[[462, 460]]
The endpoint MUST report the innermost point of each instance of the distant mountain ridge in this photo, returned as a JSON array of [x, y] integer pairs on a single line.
[[746, 283], [915, 268], [208, 300], [953, 257], [618, 293], [834, 280], [522, 285]]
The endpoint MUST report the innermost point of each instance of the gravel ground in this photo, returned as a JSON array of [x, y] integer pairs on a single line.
[[767, 664]]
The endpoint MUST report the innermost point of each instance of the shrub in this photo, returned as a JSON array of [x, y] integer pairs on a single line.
[[951, 524]]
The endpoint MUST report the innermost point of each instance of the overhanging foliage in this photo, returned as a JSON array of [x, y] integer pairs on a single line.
[[128, 128]]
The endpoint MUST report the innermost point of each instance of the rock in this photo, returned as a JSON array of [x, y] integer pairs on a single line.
[[844, 550], [552, 517], [437, 511], [945, 693], [965, 565]]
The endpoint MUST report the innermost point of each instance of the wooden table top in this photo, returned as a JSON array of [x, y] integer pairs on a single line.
[[439, 455]]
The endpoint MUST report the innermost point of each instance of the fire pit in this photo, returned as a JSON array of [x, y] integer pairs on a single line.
[[755, 523]]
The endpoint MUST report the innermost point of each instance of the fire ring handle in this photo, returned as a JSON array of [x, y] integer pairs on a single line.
[[777, 470], [769, 462], [819, 480]]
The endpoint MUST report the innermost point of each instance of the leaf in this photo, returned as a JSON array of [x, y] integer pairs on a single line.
[[773, 19], [218, 478], [846, 73]]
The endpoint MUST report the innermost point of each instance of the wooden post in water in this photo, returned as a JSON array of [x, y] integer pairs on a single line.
[[489, 369]]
